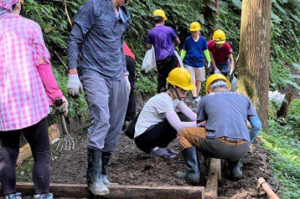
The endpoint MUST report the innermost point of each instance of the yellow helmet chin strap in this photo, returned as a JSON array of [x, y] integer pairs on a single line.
[[177, 95]]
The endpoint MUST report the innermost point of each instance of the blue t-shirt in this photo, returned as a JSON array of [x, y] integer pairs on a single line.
[[226, 115], [194, 52]]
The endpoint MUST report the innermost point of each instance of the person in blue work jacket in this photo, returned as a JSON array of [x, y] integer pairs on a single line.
[[98, 37]]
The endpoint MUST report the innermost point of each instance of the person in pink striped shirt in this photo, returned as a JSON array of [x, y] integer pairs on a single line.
[[28, 89]]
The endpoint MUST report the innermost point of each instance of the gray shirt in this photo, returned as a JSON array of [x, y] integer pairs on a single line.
[[226, 114], [98, 35]]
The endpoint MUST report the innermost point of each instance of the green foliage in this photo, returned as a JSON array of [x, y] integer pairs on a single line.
[[53, 20], [293, 117], [283, 143], [278, 74], [230, 19]]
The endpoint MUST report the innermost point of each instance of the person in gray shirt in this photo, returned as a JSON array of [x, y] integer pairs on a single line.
[[222, 131], [98, 37]]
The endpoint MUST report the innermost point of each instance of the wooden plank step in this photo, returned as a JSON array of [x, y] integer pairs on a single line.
[[120, 191], [214, 175]]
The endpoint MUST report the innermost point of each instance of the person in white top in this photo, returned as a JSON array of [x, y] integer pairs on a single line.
[[158, 123]]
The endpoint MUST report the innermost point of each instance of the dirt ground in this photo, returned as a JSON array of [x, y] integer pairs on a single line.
[[130, 166]]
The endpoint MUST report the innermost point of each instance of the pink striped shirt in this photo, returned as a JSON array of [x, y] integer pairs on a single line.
[[23, 99]]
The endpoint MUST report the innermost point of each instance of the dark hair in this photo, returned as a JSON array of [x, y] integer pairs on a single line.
[[158, 19], [170, 86], [14, 6]]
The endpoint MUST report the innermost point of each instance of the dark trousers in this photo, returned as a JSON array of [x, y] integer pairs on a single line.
[[131, 109], [164, 67], [159, 135], [38, 139]]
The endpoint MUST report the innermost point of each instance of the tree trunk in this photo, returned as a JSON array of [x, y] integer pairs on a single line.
[[254, 63], [211, 9]]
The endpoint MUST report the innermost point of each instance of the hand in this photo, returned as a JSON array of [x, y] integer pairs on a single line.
[[127, 84], [217, 71], [231, 71], [202, 124], [74, 85], [62, 108], [208, 65]]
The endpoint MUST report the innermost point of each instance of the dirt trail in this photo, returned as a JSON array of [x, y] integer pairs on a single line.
[[131, 166]]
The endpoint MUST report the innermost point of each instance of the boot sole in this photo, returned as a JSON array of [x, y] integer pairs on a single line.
[[100, 193]]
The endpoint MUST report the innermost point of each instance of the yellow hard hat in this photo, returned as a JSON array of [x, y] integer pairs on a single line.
[[160, 13], [195, 26], [214, 78], [219, 37], [182, 78]]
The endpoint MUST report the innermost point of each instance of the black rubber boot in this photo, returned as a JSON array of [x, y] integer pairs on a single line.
[[236, 169], [192, 171], [105, 160], [94, 176], [14, 196]]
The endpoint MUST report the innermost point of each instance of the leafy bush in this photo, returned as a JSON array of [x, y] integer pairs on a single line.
[[283, 143], [293, 117]]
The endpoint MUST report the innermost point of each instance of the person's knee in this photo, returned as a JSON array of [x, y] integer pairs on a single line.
[[183, 138], [42, 154], [182, 133]]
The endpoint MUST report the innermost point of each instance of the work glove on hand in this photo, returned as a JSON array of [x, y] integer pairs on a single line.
[[127, 84], [217, 71], [63, 108], [74, 85], [208, 65]]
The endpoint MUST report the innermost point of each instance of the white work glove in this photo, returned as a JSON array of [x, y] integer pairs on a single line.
[[198, 99], [127, 84], [231, 71], [217, 71], [63, 109], [74, 85], [208, 65]]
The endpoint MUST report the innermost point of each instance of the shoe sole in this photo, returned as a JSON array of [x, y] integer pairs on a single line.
[[100, 193]]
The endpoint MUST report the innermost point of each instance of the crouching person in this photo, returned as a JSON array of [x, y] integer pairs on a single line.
[[158, 123], [28, 88], [225, 135]]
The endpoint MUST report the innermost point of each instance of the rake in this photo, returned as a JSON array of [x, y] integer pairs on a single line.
[[66, 142]]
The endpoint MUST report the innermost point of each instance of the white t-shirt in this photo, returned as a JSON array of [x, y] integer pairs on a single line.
[[154, 112]]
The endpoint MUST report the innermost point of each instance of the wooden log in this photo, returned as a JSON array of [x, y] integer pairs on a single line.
[[214, 175], [119, 191], [25, 151], [262, 183]]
